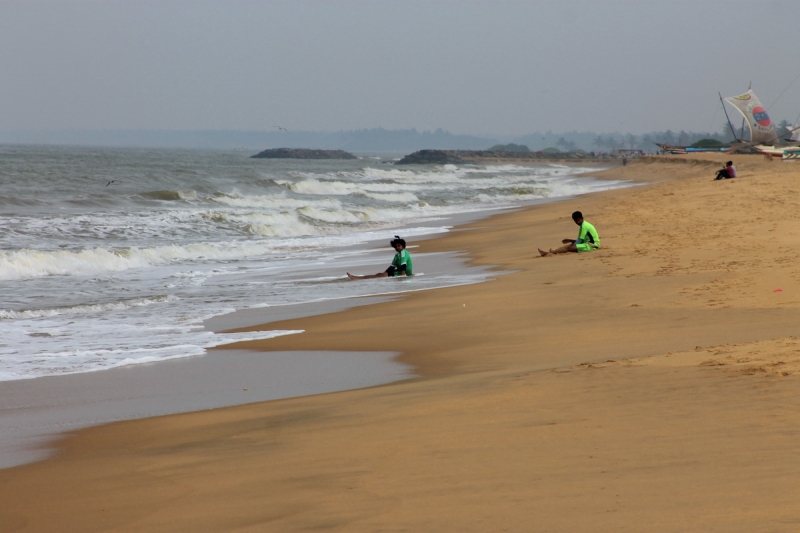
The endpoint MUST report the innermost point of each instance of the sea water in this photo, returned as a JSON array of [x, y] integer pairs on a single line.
[[112, 257]]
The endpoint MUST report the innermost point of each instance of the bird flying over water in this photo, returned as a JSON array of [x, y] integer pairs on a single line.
[[110, 182], [281, 128]]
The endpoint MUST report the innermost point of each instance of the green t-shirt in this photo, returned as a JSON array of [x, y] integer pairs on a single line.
[[588, 235], [403, 258]]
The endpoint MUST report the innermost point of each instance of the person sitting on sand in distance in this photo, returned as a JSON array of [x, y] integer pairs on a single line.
[[726, 173], [401, 264], [587, 240]]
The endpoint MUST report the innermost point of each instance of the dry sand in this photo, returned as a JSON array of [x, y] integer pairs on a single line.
[[653, 385]]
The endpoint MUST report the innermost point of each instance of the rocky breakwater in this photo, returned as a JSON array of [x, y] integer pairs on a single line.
[[433, 157], [455, 157], [302, 153]]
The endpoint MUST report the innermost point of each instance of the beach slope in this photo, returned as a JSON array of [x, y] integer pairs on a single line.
[[653, 385]]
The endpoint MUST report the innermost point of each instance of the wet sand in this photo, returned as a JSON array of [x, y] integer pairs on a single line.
[[34, 412], [651, 385]]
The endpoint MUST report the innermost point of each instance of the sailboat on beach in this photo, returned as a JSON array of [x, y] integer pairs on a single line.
[[763, 137]]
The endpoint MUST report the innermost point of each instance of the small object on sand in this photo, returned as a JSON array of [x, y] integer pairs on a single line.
[[778, 290], [244, 389]]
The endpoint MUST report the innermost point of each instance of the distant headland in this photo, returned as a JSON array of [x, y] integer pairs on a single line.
[[302, 153]]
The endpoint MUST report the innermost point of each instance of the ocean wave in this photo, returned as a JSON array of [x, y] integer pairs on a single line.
[[170, 195], [448, 173], [391, 176], [74, 230], [308, 220], [272, 229], [273, 201], [572, 187], [341, 216], [13, 201], [397, 197], [84, 309], [317, 187], [286, 224], [394, 191], [99, 357], [26, 264]]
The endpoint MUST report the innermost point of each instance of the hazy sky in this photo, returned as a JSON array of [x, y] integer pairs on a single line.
[[484, 67]]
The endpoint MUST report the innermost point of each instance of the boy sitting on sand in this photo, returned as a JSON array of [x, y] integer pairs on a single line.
[[587, 240], [401, 264], [726, 173]]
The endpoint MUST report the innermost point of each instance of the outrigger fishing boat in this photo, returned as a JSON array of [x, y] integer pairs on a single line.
[[791, 154], [691, 149], [763, 137]]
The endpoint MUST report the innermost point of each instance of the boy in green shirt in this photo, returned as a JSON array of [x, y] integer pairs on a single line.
[[401, 264], [587, 240]]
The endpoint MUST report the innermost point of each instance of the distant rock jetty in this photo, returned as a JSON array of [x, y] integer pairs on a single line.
[[433, 157], [456, 157], [302, 153]]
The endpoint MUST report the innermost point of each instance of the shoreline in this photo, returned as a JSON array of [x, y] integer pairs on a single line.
[[508, 414], [38, 413], [35, 414], [245, 273], [34, 418]]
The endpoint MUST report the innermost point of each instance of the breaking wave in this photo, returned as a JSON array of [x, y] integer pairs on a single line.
[[84, 309]]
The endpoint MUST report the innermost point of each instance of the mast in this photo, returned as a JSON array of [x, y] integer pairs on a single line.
[[741, 131], [733, 132]]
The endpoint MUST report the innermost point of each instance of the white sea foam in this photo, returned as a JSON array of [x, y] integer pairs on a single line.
[[284, 224], [335, 216], [34, 263], [84, 309], [101, 353], [26, 264], [318, 187], [397, 197], [274, 202]]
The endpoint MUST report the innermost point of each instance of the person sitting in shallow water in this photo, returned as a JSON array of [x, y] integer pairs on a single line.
[[401, 264], [726, 173], [587, 240]]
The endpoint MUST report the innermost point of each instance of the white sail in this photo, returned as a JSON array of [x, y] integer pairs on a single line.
[[796, 135], [762, 130]]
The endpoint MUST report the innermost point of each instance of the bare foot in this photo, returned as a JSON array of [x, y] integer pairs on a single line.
[[349, 275], [543, 252]]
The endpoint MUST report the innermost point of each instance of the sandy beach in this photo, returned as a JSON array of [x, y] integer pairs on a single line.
[[653, 385]]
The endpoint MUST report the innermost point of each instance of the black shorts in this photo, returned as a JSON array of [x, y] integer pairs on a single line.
[[391, 270]]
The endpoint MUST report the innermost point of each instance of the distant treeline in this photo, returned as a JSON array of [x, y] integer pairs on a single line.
[[366, 140]]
